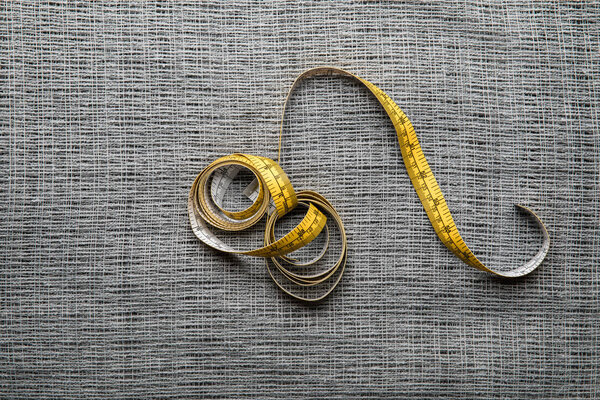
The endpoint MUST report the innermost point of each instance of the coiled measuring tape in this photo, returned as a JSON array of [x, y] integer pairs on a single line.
[[273, 194]]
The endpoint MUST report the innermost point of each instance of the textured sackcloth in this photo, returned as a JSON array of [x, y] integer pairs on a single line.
[[109, 110]]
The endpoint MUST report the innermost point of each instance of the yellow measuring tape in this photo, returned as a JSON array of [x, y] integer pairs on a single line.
[[273, 194]]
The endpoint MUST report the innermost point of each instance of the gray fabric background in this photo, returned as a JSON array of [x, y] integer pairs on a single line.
[[109, 111]]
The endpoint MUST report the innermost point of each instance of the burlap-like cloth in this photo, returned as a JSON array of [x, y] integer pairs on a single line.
[[109, 111]]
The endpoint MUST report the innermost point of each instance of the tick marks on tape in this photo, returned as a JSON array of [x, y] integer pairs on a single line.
[[272, 194]]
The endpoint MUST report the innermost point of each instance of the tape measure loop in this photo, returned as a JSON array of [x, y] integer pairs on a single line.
[[336, 271]]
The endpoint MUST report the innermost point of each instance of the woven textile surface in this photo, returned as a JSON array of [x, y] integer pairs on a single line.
[[109, 110]]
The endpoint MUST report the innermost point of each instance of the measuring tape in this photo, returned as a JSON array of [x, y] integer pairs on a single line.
[[273, 194]]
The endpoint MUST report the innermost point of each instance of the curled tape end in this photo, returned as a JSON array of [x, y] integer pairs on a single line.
[[538, 221], [536, 260]]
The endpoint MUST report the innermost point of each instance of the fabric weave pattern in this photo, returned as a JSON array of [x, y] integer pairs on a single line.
[[111, 109]]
